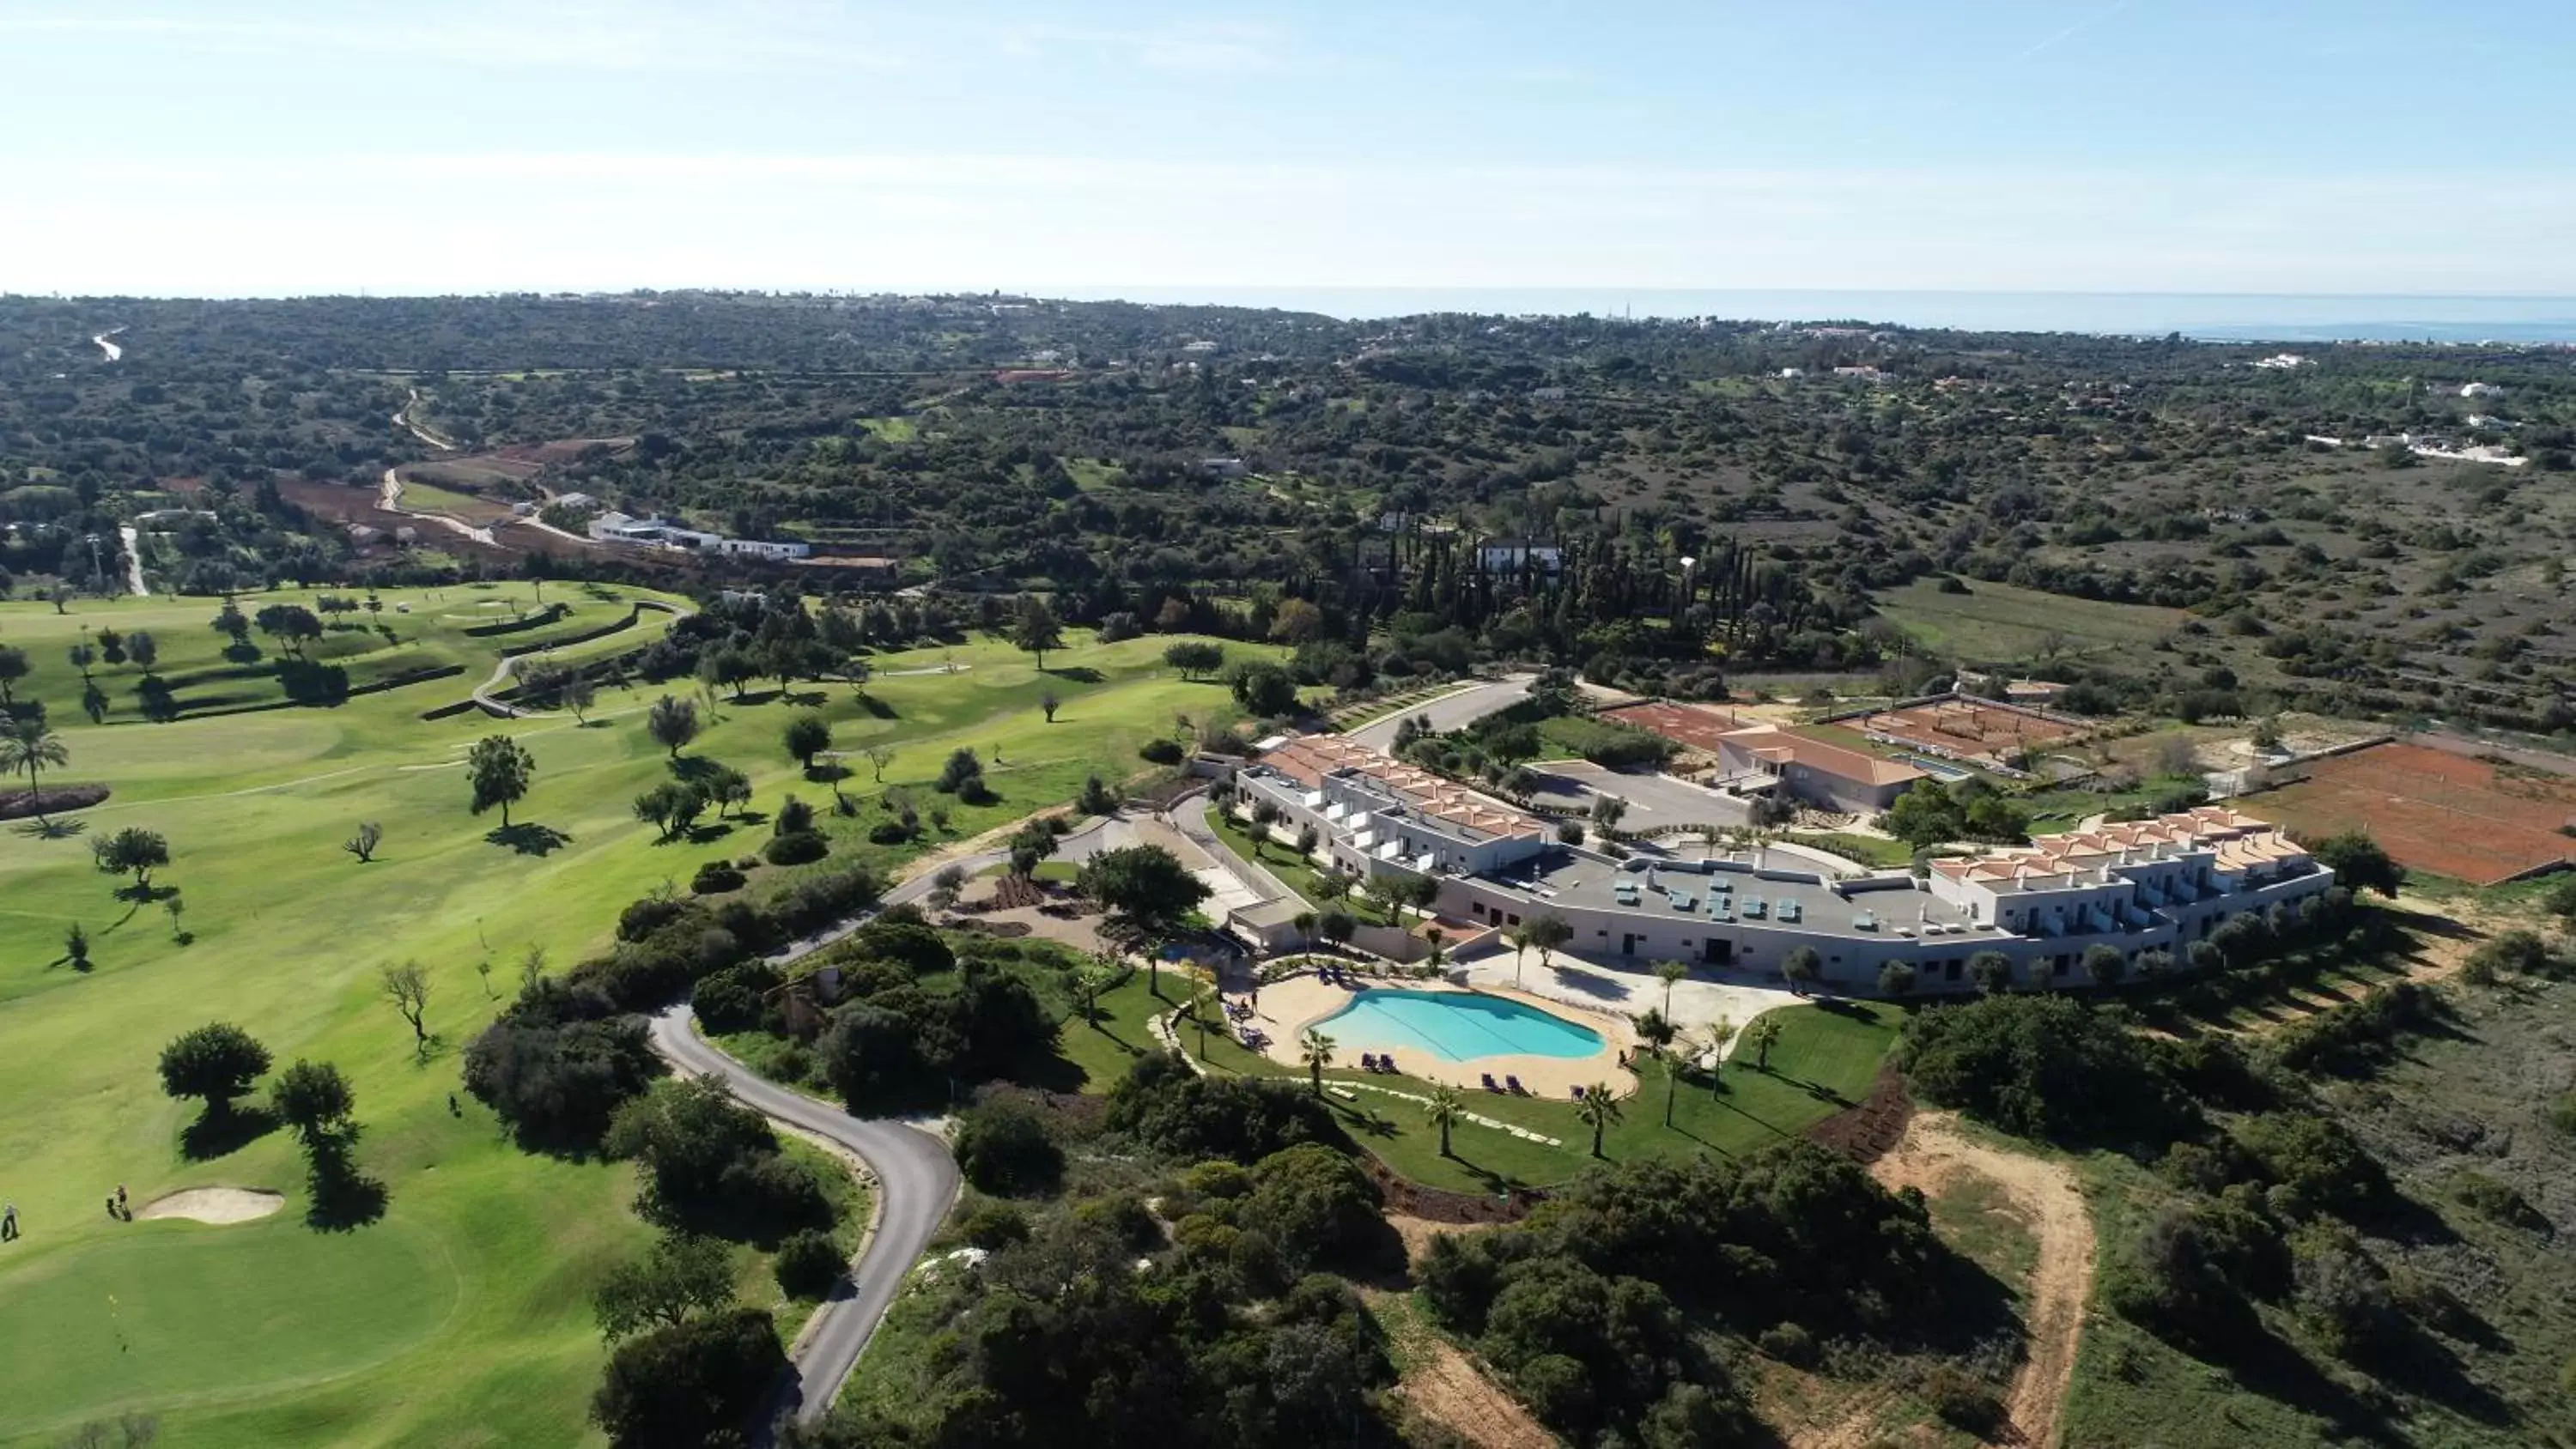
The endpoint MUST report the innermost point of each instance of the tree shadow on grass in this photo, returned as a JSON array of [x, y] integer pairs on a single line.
[[529, 838], [1078, 674], [210, 1137], [51, 829], [344, 1199]]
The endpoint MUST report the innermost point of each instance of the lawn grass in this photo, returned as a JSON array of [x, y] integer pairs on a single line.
[[286, 935], [1875, 850], [2000, 623], [1824, 1061], [892, 430]]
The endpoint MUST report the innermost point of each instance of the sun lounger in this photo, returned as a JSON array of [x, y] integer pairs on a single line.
[[1578, 1094], [1489, 1083], [1515, 1084]]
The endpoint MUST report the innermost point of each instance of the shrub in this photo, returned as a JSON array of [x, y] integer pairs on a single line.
[[714, 877], [1320, 1208], [1002, 1147], [735, 999], [2490, 1198], [558, 1064], [1789, 1343], [992, 1225], [2041, 1066], [2562, 1113], [1961, 1401], [693, 1383], [1173, 1110], [888, 832], [802, 848], [1160, 751], [808, 1264]]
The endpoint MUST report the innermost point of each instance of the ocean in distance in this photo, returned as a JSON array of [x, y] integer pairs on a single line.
[[2215, 316]]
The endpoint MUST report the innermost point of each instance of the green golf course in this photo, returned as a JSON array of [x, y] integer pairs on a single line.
[[463, 1314]]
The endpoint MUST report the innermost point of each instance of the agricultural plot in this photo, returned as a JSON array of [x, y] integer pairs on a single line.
[[2450, 814], [2000, 623]]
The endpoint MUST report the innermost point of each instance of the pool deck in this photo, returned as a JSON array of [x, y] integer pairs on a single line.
[[1289, 1007]]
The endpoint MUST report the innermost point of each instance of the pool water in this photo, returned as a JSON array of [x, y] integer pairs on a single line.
[[1456, 1026]]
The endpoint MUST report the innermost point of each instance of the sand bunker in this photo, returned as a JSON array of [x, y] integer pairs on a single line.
[[214, 1205]]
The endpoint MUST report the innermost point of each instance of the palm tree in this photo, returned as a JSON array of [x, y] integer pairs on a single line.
[[1759, 1036], [1305, 922], [1669, 972], [1197, 1014], [1435, 936], [1657, 1031], [28, 746], [1520, 939], [1443, 1110], [1712, 1039], [1597, 1112], [1319, 1055]]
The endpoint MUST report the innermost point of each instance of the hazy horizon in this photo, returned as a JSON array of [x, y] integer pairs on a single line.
[[2013, 145]]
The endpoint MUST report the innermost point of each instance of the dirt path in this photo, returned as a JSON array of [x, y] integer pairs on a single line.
[[1449, 1390], [2044, 1194]]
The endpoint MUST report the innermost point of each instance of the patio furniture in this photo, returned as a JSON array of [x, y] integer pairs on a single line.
[[1489, 1083], [1515, 1084]]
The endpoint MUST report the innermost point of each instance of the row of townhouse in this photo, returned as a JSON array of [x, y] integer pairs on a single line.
[[2152, 885]]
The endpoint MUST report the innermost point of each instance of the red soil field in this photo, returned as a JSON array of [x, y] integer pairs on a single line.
[[2433, 811], [1681, 723], [1969, 730]]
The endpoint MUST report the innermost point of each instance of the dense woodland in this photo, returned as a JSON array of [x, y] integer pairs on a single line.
[[1208, 468]]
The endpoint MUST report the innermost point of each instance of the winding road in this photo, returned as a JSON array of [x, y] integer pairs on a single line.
[[916, 1182], [917, 1179]]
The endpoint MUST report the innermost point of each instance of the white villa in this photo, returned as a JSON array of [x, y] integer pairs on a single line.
[[2150, 885]]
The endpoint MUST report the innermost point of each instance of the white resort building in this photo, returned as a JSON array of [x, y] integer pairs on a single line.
[[2149, 885]]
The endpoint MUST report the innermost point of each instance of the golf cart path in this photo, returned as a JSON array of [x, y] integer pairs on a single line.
[[506, 667]]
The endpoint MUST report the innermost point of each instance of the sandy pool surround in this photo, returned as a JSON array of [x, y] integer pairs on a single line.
[[1289, 1007], [218, 1205]]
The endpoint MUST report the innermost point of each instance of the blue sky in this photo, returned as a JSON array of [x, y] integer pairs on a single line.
[[226, 147]]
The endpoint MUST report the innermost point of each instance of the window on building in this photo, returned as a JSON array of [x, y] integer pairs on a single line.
[[1511, 920]]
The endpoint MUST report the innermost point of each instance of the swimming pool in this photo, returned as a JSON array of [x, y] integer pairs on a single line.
[[1456, 1026]]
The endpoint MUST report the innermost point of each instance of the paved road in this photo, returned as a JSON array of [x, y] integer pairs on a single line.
[[1191, 816], [916, 1176], [916, 1183], [1448, 712]]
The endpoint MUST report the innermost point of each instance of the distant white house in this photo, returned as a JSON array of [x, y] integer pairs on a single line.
[[2283, 360], [1202, 345], [1223, 467], [1547, 394], [1793, 372], [2480, 389], [666, 533], [1865, 374], [1511, 555]]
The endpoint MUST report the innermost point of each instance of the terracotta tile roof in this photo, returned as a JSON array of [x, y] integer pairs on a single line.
[[1309, 758], [2240, 842], [1774, 745]]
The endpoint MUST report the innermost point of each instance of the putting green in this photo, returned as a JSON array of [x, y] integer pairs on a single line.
[[170, 1312]]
